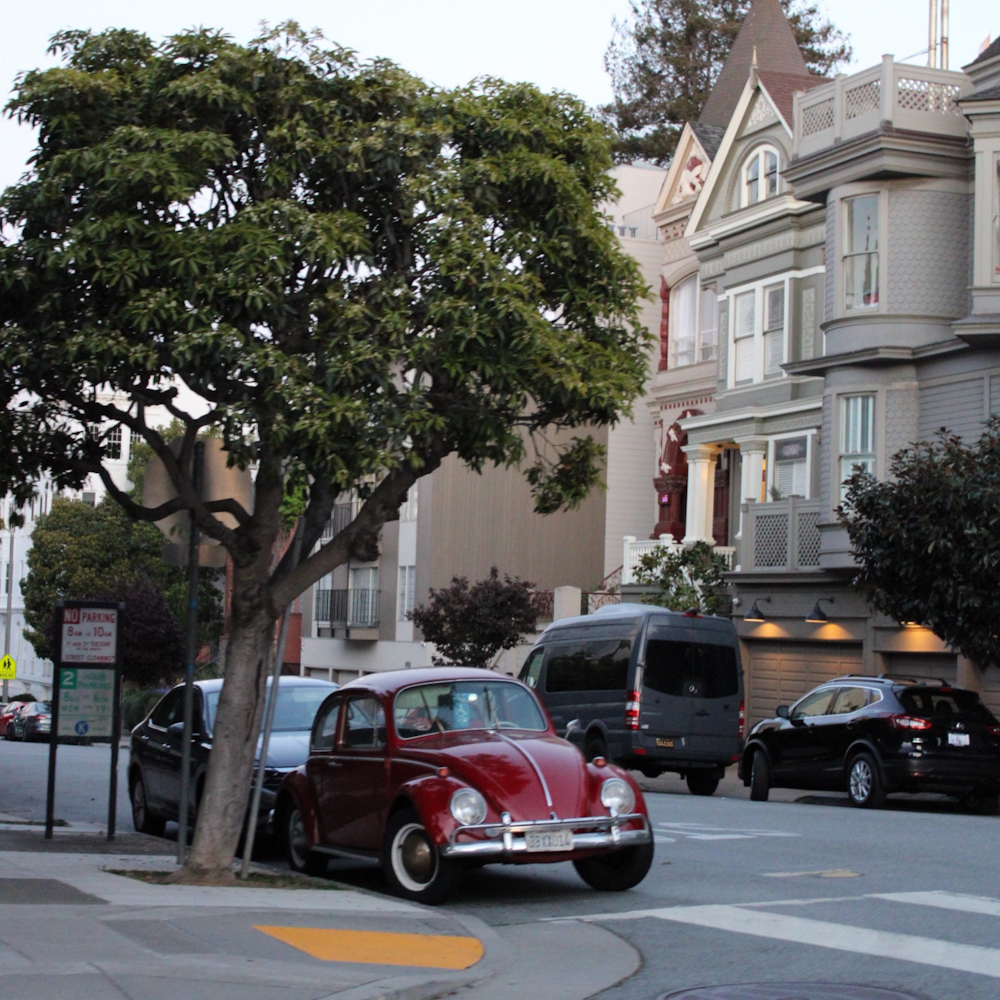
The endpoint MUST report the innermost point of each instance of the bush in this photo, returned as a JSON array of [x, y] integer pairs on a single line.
[[136, 706]]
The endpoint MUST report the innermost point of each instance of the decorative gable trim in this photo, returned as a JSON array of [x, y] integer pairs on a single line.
[[686, 176], [761, 113]]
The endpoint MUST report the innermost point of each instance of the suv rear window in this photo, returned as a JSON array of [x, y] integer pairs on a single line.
[[691, 669], [591, 666], [938, 702]]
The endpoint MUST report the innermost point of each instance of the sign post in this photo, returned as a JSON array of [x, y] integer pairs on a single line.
[[86, 693]]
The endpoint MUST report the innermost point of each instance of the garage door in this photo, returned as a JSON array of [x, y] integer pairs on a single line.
[[781, 672], [922, 667]]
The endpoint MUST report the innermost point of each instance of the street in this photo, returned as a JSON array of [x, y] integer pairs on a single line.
[[904, 898]]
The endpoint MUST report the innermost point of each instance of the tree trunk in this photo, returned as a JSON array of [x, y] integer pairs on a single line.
[[223, 805]]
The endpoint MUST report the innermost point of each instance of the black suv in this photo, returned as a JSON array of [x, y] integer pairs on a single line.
[[876, 735]]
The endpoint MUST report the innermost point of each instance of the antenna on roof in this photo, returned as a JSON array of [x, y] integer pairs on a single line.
[[754, 63], [932, 36]]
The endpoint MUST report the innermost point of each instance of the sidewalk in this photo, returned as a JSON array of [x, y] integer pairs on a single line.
[[75, 931]]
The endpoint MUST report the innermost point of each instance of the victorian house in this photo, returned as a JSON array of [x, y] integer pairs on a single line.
[[843, 259]]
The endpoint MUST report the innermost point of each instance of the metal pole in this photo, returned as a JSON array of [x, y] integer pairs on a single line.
[[116, 726], [944, 34], [192, 652], [10, 601], [272, 701], [50, 790], [932, 41]]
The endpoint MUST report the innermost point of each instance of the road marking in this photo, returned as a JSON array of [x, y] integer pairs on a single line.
[[699, 831], [430, 951], [944, 901], [830, 873], [823, 934]]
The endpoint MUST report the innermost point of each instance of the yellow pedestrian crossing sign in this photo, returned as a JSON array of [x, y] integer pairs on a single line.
[[8, 668]]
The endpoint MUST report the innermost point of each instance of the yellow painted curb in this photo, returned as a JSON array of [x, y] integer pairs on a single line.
[[430, 951]]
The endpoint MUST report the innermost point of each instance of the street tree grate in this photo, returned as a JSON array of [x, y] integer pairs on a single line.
[[789, 991]]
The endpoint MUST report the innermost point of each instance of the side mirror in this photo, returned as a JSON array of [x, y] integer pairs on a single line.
[[572, 726], [176, 729], [781, 711]]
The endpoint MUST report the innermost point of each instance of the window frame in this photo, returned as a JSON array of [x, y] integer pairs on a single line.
[[698, 348], [995, 235], [855, 457], [840, 298], [342, 730], [335, 704], [757, 158], [772, 463]]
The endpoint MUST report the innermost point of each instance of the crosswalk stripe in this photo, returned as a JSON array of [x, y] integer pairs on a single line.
[[824, 934], [945, 901]]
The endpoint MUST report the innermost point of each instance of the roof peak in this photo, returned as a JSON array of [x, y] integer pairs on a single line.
[[765, 41]]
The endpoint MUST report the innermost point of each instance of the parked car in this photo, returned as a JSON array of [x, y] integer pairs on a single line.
[[154, 774], [431, 770], [648, 688], [876, 735], [33, 722], [7, 713]]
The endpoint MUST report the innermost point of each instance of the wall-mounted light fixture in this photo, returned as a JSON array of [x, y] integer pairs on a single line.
[[755, 614], [818, 616]]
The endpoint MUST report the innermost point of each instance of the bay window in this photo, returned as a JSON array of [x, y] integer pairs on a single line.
[[407, 586], [790, 476], [745, 326], [857, 436], [774, 329], [861, 245], [693, 323]]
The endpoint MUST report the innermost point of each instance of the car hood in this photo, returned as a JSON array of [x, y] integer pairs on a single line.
[[286, 749], [515, 770]]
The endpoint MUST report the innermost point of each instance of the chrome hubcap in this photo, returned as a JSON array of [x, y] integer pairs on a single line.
[[861, 781], [298, 843], [414, 859]]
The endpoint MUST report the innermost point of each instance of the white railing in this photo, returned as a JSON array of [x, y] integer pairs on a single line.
[[635, 548], [780, 536], [916, 98]]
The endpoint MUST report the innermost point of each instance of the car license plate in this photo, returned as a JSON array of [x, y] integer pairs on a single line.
[[958, 739], [662, 741], [556, 840]]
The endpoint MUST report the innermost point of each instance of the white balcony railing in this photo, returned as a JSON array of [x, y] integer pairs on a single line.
[[635, 548], [915, 98]]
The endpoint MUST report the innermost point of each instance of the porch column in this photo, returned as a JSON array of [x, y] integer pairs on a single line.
[[701, 460], [753, 451]]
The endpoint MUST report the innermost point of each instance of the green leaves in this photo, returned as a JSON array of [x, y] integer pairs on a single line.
[[689, 578], [927, 540]]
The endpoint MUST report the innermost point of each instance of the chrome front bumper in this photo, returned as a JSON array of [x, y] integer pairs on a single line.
[[589, 833]]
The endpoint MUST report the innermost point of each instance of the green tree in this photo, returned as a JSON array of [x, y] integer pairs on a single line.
[[688, 579], [358, 274], [98, 553], [666, 56], [471, 625], [927, 540]]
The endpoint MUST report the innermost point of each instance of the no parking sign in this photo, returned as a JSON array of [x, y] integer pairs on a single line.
[[87, 697]]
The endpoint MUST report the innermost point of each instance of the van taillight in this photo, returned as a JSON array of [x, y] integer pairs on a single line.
[[632, 710], [743, 718]]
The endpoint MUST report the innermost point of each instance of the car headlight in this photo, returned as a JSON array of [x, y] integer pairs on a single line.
[[468, 807], [617, 796]]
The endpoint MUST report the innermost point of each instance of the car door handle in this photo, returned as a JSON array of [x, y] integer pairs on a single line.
[[701, 713], [334, 763]]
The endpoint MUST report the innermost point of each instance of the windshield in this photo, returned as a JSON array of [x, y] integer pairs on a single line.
[[296, 709], [456, 705]]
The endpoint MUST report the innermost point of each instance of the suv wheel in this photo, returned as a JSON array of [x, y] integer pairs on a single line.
[[864, 782], [595, 747], [760, 777], [702, 784], [142, 819], [981, 803]]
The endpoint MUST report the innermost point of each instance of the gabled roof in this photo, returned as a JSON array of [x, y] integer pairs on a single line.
[[767, 32], [781, 87], [988, 53], [710, 136]]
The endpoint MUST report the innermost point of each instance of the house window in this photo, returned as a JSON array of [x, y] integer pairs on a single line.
[[857, 436], [408, 512], [996, 220], [790, 477], [113, 443], [861, 278], [407, 582], [774, 329], [760, 175], [694, 323], [89, 498], [745, 326], [362, 598]]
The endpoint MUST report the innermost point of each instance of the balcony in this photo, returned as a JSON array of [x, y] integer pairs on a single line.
[[781, 536], [905, 97], [347, 608], [340, 517], [636, 548]]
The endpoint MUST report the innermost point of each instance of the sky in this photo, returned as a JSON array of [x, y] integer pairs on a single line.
[[556, 44]]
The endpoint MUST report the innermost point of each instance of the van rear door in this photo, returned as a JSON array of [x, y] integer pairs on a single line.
[[714, 688]]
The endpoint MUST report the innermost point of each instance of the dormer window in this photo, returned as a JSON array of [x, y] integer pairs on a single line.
[[760, 175]]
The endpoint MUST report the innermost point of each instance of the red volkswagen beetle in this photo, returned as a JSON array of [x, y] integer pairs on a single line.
[[432, 770]]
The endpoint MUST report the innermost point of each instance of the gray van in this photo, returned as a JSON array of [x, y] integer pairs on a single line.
[[647, 688]]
